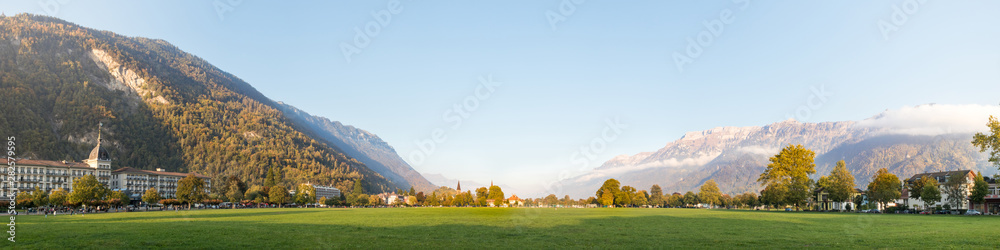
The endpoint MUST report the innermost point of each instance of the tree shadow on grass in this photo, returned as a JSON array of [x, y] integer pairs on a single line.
[[373, 229], [184, 214]]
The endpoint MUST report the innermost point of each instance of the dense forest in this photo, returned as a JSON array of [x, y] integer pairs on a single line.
[[178, 112]]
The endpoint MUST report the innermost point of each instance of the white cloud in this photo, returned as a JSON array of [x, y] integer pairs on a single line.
[[700, 160], [757, 149], [934, 119]]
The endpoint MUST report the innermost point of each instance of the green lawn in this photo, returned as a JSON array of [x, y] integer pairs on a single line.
[[502, 227]]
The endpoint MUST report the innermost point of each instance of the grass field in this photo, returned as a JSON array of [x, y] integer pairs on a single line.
[[504, 228]]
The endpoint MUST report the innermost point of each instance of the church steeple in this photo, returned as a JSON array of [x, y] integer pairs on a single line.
[[459, 186], [99, 153]]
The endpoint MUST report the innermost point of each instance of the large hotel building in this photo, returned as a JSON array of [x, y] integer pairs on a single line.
[[50, 175]]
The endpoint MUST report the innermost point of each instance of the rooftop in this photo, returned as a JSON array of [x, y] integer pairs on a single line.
[[48, 163], [151, 172]]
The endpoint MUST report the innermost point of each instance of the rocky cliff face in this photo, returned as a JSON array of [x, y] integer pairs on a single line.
[[364, 146], [735, 156]]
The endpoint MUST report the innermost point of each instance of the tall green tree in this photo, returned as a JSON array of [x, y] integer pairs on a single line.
[[690, 199], [626, 193], [256, 193], [916, 187], [87, 191], [58, 197], [841, 183], [278, 195], [39, 198], [273, 177], [980, 189], [482, 194], [117, 198], [190, 190], [305, 194], [676, 200], [990, 141], [607, 197], [234, 195], [884, 188], [709, 193], [789, 171], [234, 190], [656, 196], [641, 198], [496, 194], [611, 186], [152, 196], [955, 187], [929, 193]]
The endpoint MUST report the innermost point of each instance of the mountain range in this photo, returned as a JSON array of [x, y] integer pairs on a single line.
[[165, 108], [925, 138]]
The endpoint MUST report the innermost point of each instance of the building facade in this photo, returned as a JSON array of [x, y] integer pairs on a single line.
[[941, 178], [327, 191], [50, 175], [991, 203], [135, 182]]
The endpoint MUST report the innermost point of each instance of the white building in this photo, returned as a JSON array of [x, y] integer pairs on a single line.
[[136, 181], [942, 178], [327, 191], [49, 175]]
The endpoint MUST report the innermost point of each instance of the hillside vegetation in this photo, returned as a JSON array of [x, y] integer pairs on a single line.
[[162, 108]]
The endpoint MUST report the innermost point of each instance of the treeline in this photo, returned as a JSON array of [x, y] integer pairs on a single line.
[[209, 122]]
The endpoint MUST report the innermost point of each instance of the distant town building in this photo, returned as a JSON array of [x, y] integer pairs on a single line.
[[329, 192], [135, 182], [49, 175], [322, 191], [992, 203], [942, 178], [514, 201]]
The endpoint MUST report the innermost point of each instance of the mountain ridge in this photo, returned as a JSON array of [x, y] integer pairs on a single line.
[[162, 108], [735, 156]]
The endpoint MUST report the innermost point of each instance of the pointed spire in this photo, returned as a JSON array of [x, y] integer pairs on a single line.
[[460, 186], [99, 126]]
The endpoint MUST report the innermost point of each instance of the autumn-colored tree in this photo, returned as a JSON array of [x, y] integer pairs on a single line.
[[611, 186], [152, 196], [709, 193], [190, 190], [990, 142], [980, 188], [884, 188], [841, 183], [278, 195], [788, 173]]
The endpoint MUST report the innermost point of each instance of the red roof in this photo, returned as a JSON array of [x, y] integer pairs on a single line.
[[81, 165], [47, 163]]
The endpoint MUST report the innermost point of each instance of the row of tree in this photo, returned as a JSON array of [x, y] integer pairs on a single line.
[[88, 191]]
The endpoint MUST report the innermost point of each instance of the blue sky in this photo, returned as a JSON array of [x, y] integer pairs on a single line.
[[562, 83]]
